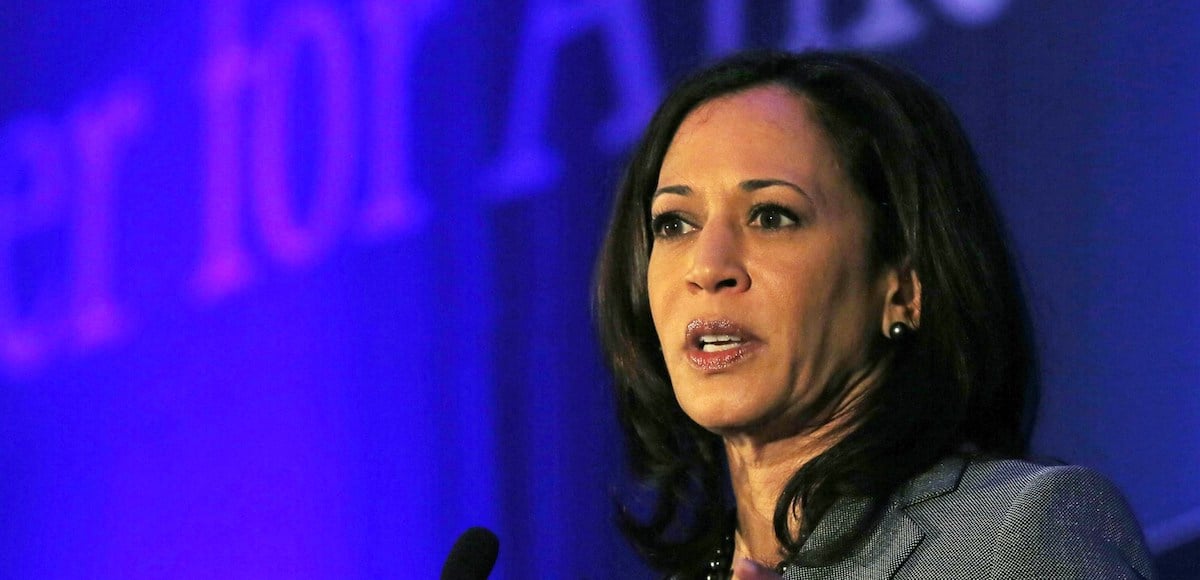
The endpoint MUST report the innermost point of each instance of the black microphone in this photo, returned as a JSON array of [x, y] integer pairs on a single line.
[[473, 555]]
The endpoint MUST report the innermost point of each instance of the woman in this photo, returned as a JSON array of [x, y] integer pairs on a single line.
[[820, 349]]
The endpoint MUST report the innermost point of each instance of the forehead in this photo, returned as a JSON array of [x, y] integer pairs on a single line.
[[767, 130]]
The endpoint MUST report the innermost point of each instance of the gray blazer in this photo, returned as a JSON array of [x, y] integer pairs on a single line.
[[995, 519]]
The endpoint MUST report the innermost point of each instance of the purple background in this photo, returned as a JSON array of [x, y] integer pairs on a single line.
[[300, 288]]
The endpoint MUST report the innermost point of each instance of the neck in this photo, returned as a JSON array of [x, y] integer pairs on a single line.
[[761, 463], [758, 472]]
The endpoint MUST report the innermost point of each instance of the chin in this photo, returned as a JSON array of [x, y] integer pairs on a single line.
[[721, 412]]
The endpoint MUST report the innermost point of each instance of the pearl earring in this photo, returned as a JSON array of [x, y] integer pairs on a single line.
[[899, 331]]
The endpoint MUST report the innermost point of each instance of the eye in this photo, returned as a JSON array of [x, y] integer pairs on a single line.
[[769, 216], [669, 225]]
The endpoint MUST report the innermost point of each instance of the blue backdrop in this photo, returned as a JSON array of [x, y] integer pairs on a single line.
[[299, 288]]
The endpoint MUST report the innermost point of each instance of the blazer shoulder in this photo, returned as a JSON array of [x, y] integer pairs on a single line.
[[1015, 476], [1067, 521], [1006, 518]]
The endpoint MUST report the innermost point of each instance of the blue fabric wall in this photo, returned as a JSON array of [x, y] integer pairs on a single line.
[[300, 288]]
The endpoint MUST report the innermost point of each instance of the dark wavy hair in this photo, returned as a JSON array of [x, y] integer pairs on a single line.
[[964, 381]]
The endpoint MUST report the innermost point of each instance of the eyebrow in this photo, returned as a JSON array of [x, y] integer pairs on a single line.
[[747, 186]]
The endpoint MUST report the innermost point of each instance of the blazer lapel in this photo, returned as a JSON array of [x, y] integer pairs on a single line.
[[888, 545], [939, 480], [891, 542]]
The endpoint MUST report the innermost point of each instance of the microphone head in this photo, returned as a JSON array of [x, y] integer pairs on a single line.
[[473, 555]]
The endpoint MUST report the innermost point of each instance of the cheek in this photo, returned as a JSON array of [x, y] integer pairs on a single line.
[[848, 313], [656, 291], [825, 298]]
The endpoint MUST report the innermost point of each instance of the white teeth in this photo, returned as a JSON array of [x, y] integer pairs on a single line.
[[719, 342], [719, 347]]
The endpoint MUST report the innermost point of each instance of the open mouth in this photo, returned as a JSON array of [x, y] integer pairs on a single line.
[[719, 342], [716, 345]]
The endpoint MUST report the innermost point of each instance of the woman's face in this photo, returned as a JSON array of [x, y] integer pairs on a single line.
[[761, 287]]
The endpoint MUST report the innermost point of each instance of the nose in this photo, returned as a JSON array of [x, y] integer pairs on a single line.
[[717, 261]]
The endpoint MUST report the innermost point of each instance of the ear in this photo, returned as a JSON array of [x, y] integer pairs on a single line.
[[902, 302]]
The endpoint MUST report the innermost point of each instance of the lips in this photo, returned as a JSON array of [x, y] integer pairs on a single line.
[[716, 345]]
